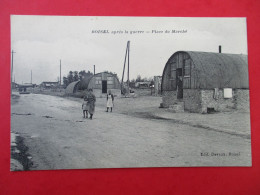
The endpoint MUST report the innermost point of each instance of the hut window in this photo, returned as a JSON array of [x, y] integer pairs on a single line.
[[228, 93], [186, 68], [98, 80], [173, 69], [110, 80], [173, 74]]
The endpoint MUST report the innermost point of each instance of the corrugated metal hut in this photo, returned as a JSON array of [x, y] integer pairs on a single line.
[[100, 83], [72, 88], [203, 81]]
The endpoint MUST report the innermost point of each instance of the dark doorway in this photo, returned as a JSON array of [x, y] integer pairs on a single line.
[[104, 86], [179, 83]]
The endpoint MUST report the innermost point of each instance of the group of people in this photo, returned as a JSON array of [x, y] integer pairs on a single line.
[[88, 105]]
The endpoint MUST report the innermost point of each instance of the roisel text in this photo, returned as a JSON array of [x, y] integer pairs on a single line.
[[100, 31]]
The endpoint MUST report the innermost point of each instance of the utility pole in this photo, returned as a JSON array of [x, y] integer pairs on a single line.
[[122, 81], [126, 56], [31, 76], [12, 67], [94, 69], [60, 72], [128, 66]]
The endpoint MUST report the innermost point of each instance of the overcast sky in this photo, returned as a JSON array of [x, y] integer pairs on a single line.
[[41, 41]]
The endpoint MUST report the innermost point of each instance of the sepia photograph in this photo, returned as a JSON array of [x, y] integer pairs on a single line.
[[90, 92]]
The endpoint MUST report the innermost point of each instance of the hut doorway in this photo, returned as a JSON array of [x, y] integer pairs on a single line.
[[179, 83], [104, 86]]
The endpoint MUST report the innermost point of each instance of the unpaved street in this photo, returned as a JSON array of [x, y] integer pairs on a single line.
[[58, 137]]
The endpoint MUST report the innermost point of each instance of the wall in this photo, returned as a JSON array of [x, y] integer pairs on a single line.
[[198, 100], [192, 100], [169, 98], [219, 104], [242, 100]]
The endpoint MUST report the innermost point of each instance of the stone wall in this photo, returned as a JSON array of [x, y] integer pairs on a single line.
[[219, 103], [199, 100], [169, 98], [242, 99], [192, 100]]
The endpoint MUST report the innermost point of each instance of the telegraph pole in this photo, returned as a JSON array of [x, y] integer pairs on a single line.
[[31, 76], [126, 57], [94, 69], [12, 67], [60, 72], [128, 66]]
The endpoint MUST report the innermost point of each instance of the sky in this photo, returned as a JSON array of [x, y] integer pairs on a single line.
[[40, 42]]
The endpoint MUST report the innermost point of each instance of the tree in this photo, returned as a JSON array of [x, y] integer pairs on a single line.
[[70, 77], [83, 74], [65, 81], [138, 78], [145, 79], [75, 76]]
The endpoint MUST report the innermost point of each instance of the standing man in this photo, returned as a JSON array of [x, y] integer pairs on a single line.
[[91, 99]]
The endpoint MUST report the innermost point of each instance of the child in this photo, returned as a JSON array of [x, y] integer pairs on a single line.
[[85, 108], [110, 101]]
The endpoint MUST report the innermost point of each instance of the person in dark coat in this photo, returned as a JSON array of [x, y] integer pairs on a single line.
[[91, 99]]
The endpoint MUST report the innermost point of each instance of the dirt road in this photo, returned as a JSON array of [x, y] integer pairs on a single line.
[[58, 137]]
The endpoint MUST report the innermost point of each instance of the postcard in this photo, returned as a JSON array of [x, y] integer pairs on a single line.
[[92, 92]]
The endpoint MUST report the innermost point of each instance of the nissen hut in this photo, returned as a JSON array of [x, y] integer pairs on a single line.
[[100, 83], [206, 82]]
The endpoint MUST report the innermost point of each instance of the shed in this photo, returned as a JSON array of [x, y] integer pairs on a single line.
[[197, 80], [157, 85], [72, 88], [49, 84], [100, 83]]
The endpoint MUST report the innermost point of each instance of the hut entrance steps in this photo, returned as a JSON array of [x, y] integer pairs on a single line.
[[178, 106]]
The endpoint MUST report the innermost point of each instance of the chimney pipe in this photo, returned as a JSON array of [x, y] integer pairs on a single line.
[[219, 48]]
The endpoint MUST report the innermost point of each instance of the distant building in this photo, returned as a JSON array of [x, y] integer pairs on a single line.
[[157, 85], [132, 84], [49, 84], [26, 87], [14, 85], [204, 82], [143, 84], [100, 83], [72, 88]]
